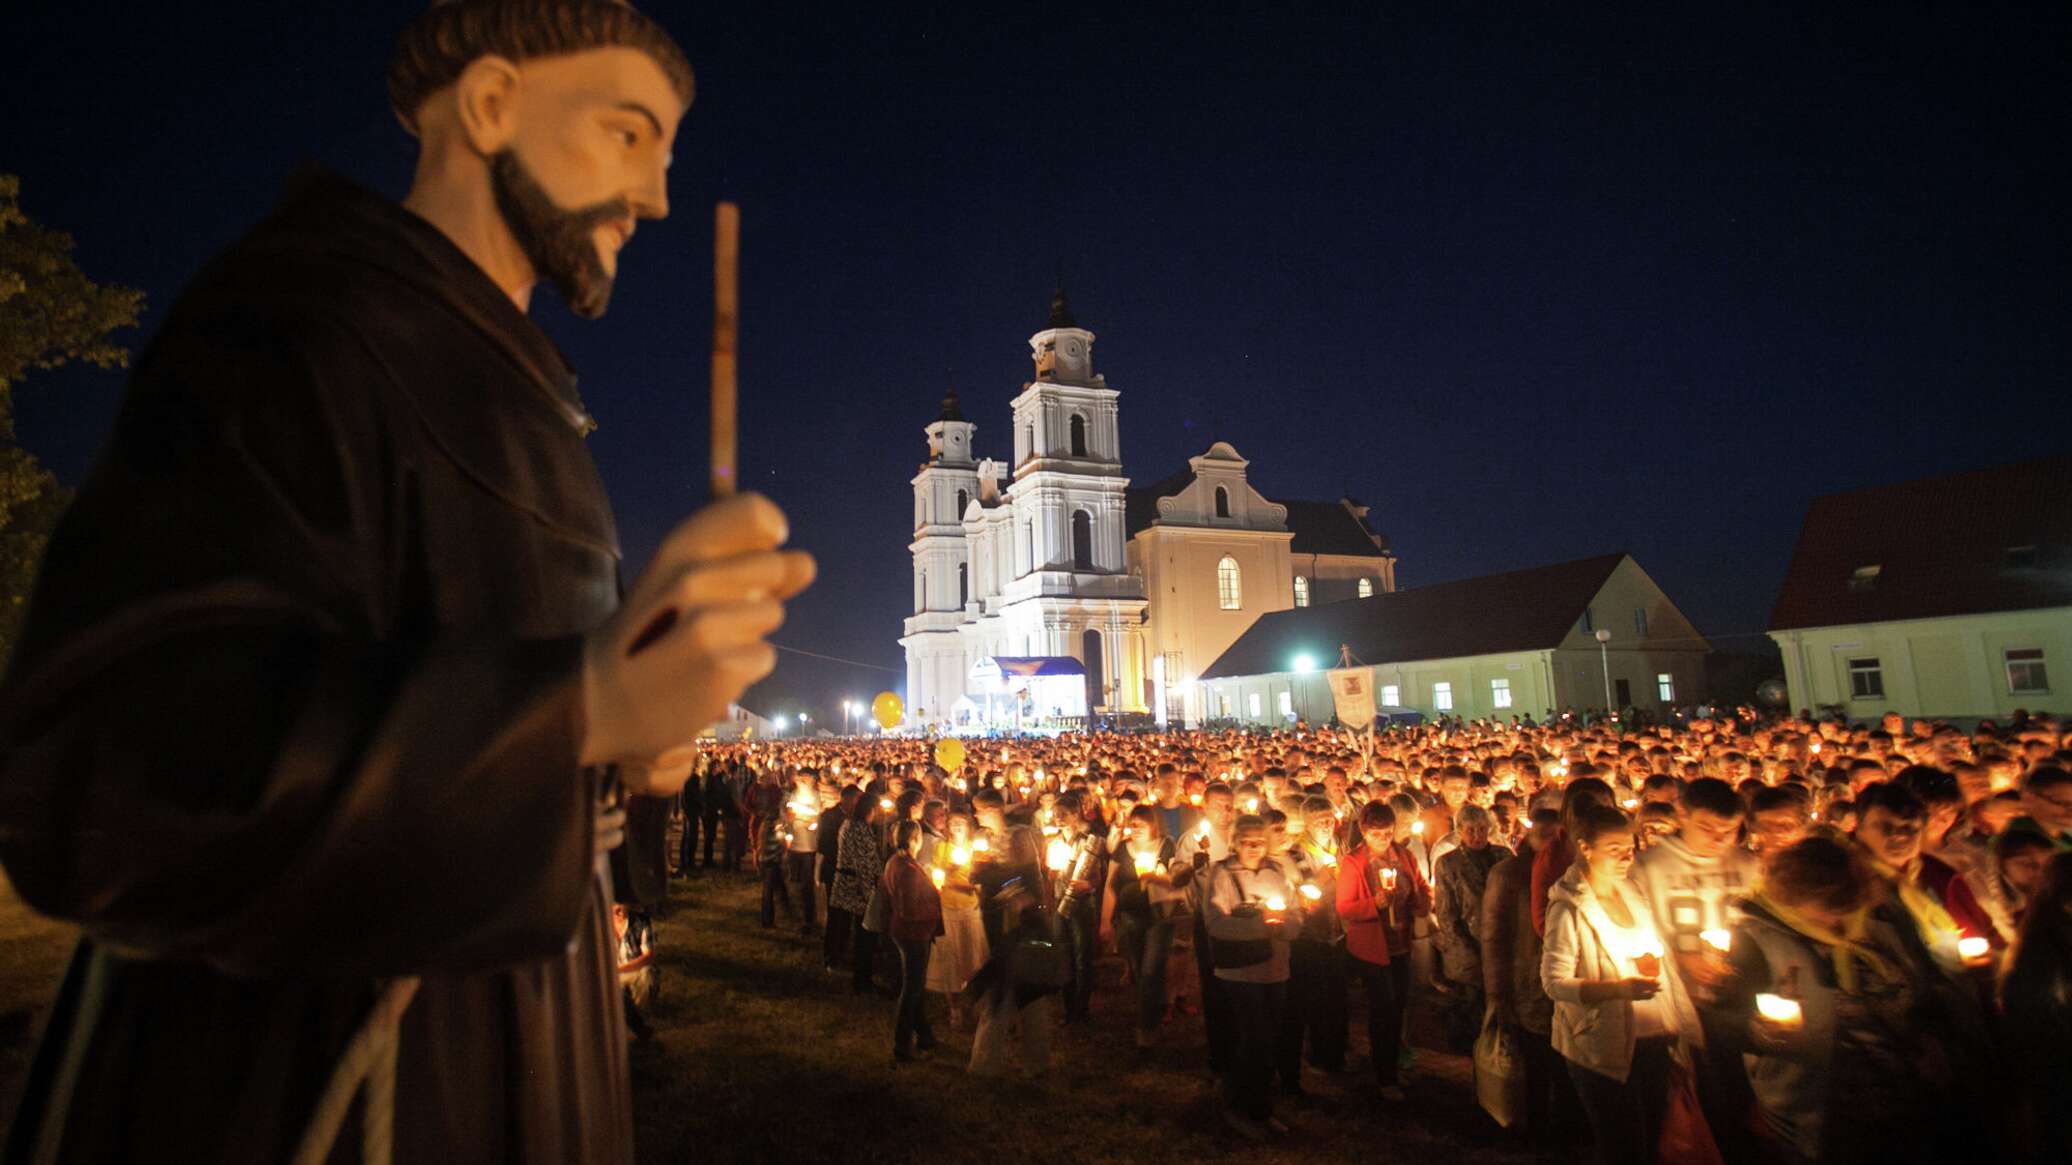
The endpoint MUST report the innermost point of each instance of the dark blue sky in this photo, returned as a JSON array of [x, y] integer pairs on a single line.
[[1535, 286]]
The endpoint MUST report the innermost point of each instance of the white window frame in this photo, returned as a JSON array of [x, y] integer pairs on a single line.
[[1665, 686], [1252, 704], [1500, 693], [1392, 695], [1286, 700], [1442, 696], [1366, 587], [1640, 622], [1301, 591], [1871, 668], [2031, 658], [1230, 584]]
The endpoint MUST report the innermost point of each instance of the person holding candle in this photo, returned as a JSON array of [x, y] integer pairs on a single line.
[[913, 920], [1460, 877], [962, 950], [1317, 978], [1619, 1005], [1380, 891], [1252, 909], [1144, 885], [859, 863], [1822, 1010], [1209, 843]]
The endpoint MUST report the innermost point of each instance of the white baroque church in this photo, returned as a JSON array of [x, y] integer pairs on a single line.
[[1055, 590]]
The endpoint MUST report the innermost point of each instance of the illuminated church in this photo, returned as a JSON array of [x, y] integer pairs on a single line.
[[1047, 588]]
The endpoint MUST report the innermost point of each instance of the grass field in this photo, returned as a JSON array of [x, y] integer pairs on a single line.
[[761, 1056]]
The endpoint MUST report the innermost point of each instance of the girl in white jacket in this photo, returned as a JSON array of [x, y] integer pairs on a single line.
[[1619, 1006]]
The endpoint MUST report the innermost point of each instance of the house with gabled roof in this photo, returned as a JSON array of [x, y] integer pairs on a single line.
[[1944, 597], [1523, 642]]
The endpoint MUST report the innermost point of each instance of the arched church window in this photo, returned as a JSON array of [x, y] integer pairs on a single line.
[[1366, 588], [1082, 540], [1301, 591], [1078, 435], [1229, 586], [1222, 504]]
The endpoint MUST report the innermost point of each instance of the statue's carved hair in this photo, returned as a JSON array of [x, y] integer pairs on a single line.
[[435, 48]]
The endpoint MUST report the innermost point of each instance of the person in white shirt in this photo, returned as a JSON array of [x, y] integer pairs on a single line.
[[1619, 1004]]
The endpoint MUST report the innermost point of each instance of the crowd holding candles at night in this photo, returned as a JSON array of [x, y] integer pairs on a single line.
[[1738, 939]]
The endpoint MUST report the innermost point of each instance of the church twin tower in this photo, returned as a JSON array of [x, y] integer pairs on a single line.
[[1023, 574]]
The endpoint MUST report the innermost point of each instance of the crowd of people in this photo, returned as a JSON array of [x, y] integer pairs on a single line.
[[1737, 939]]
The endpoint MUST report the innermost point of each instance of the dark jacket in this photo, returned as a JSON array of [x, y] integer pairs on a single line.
[[297, 706]]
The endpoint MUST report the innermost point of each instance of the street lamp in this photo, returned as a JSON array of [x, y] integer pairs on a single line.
[[1305, 664], [1604, 661]]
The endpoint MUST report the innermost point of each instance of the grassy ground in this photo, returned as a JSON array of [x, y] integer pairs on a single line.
[[760, 1056], [33, 950]]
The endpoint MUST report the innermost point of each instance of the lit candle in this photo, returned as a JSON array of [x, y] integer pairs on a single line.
[[1276, 903], [1145, 862], [1974, 950], [884, 802], [1815, 748], [1059, 853], [1311, 892], [1779, 1010], [1631, 802], [1719, 940], [1327, 859], [937, 876], [1388, 877], [1194, 798], [1417, 827], [959, 856], [1251, 804], [981, 846]]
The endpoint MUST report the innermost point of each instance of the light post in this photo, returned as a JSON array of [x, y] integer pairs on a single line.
[[1604, 661], [1304, 665]]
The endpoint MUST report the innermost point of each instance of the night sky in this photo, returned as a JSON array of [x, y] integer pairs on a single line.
[[1533, 286]]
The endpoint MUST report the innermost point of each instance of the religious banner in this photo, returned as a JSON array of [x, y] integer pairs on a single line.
[[1352, 693]]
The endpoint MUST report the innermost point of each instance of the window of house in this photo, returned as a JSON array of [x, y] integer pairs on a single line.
[[1252, 702], [1665, 686], [1301, 591], [1366, 588], [1589, 619], [1391, 695], [1229, 586], [1866, 679], [1640, 622], [1222, 502], [1864, 578], [1500, 693], [1442, 696], [2025, 672], [1287, 701]]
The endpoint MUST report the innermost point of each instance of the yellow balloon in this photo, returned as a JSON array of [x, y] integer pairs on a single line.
[[949, 753], [888, 710]]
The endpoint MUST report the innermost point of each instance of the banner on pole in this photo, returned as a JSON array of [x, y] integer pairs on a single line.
[[1352, 695]]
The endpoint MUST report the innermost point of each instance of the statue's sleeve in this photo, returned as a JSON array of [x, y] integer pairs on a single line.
[[221, 740]]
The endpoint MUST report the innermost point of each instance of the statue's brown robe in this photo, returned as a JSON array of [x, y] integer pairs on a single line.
[[297, 708]]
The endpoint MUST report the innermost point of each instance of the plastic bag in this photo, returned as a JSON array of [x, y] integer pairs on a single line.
[[1686, 1137], [1500, 1072]]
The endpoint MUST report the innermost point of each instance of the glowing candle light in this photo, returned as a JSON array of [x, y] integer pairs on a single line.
[[937, 876], [1417, 827], [1973, 950], [1327, 859], [1719, 940], [1388, 877], [1059, 853], [1311, 892], [960, 856], [981, 846], [1195, 798], [885, 803], [1276, 903], [1145, 862], [1251, 804], [1779, 1010]]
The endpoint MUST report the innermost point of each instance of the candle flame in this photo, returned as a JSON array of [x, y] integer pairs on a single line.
[[1276, 903], [1972, 948], [1778, 1009], [1719, 940], [1311, 892], [1145, 862]]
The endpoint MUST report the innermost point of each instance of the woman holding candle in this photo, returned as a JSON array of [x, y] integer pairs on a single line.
[[1619, 1005], [962, 950], [859, 861], [913, 920], [1252, 909], [1145, 882], [1381, 892]]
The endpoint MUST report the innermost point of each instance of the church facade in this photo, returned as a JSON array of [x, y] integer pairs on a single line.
[[1048, 589]]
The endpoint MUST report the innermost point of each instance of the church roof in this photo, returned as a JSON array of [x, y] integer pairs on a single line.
[[1997, 539], [1319, 527], [950, 411], [1520, 610]]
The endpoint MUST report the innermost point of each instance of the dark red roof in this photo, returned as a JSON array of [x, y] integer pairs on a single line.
[[1520, 610], [1996, 539]]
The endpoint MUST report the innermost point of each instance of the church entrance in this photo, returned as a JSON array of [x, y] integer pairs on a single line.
[[1096, 668]]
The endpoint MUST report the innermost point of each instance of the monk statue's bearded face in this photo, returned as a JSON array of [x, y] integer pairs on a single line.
[[585, 155]]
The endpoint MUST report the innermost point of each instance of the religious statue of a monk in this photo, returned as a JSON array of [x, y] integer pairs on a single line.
[[328, 688]]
